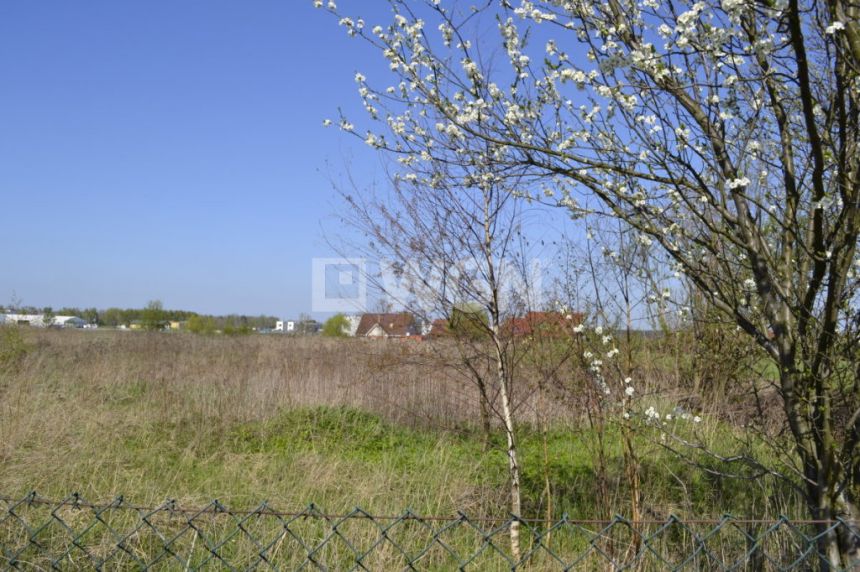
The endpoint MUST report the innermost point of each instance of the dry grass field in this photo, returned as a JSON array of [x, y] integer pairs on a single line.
[[340, 423]]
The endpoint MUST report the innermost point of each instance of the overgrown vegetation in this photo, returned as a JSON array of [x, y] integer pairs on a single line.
[[12, 347], [336, 422]]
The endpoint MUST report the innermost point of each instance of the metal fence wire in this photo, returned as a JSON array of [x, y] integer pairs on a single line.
[[73, 534]]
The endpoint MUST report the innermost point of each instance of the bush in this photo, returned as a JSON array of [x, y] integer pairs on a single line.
[[13, 348], [336, 326]]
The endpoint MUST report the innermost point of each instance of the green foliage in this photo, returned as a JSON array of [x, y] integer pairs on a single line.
[[469, 321], [336, 326], [153, 317], [237, 330], [13, 347], [49, 314], [203, 325]]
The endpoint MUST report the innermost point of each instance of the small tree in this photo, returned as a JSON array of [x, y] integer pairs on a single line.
[[48, 316], [454, 248], [203, 325], [469, 321], [336, 327], [152, 317]]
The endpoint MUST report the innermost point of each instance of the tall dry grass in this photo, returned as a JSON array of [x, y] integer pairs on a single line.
[[150, 414], [153, 414]]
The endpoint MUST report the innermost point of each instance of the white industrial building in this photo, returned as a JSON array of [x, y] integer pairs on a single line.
[[40, 321]]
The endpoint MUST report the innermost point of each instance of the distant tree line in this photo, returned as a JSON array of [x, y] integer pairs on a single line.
[[154, 316]]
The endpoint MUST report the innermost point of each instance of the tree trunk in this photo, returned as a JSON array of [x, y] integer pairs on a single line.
[[839, 543], [831, 488], [513, 461], [486, 424]]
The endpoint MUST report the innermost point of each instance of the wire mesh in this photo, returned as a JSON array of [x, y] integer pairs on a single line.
[[72, 534]]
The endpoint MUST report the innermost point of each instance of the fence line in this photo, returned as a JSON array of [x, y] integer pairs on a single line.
[[73, 533], [76, 500]]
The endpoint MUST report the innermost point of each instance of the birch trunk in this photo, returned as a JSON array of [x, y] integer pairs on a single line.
[[513, 461]]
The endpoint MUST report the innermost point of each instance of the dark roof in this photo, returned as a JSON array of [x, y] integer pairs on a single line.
[[393, 324]]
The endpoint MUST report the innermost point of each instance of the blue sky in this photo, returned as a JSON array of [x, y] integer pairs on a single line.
[[173, 150], [169, 150]]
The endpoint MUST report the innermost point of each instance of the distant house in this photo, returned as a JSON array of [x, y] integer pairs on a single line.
[[439, 328], [298, 327], [388, 325], [543, 323]]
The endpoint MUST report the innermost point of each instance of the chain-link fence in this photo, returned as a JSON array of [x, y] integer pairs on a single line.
[[73, 534]]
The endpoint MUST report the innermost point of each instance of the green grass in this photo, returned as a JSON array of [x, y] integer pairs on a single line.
[[339, 458], [152, 418], [250, 420]]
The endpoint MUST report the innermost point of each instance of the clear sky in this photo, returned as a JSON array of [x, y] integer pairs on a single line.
[[173, 150], [169, 150]]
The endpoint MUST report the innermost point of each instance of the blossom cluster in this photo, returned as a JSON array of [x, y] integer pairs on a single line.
[[672, 114], [621, 397]]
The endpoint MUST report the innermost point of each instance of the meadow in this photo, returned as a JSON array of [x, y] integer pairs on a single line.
[[338, 422]]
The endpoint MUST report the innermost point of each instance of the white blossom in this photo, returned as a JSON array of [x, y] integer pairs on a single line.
[[737, 183], [834, 27]]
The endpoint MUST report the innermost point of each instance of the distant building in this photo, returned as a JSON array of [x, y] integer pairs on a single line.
[[352, 322], [438, 328], [553, 324], [40, 321], [388, 325], [297, 327], [68, 322], [35, 320], [426, 326], [307, 327]]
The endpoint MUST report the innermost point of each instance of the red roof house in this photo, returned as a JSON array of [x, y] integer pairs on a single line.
[[388, 325], [544, 323]]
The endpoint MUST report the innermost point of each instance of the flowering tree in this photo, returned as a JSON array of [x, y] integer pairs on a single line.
[[725, 133]]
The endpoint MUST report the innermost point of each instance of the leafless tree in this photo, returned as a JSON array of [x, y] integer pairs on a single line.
[[454, 253]]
